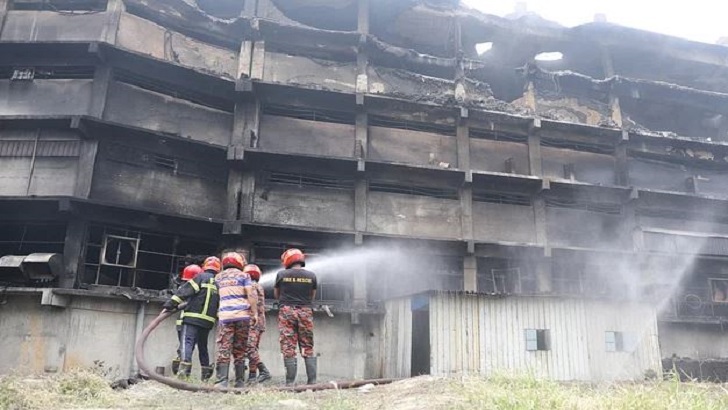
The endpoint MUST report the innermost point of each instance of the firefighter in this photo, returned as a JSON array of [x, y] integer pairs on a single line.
[[238, 312], [295, 289], [188, 273], [256, 332], [199, 316]]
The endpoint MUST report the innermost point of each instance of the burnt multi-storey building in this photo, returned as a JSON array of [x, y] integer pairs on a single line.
[[569, 214]]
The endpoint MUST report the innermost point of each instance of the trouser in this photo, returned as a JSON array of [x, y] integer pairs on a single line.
[[179, 341], [194, 335], [231, 341], [295, 325], [253, 348]]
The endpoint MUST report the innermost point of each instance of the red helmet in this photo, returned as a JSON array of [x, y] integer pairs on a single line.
[[291, 257], [233, 259], [212, 263], [253, 271], [190, 272]]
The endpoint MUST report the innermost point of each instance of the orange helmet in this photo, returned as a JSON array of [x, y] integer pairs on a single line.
[[190, 272], [253, 271], [233, 259], [292, 256], [212, 263]]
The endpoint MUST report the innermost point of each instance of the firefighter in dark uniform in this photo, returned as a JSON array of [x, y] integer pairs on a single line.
[[188, 273], [198, 318], [295, 289]]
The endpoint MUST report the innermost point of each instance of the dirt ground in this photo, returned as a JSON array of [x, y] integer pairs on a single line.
[[84, 389]]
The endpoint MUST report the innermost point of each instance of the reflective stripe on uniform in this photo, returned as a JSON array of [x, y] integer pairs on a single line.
[[210, 289], [194, 285], [177, 299], [200, 316]]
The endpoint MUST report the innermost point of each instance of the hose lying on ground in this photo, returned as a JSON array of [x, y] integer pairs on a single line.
[[182, 385]]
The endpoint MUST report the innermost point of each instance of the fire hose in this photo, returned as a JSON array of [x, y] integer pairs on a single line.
[[182, 385]]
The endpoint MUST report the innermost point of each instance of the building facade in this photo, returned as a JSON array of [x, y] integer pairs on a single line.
[[137, 135]]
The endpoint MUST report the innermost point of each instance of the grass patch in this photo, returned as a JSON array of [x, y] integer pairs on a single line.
[[88, 389]]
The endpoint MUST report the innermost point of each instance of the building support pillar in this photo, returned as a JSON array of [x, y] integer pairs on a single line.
[[73, 253], [103, 76], [470, 273]]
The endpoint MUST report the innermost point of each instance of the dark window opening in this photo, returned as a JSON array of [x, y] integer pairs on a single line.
[[59, 5], [24, 239], [502, 198], [46, 73], [537, 340], [497, 136], [337, 117], [420, 360], [379, 121], [165, 162], [174, 91], [585, 147], [567, 203], [308, 180], [122, 257], [441, 193], [719, 290]]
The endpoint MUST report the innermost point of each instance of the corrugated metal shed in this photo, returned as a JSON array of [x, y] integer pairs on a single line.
[[479, 334]]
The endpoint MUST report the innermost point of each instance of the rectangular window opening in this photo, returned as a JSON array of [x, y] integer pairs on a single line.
[[174, 91], [308, 180], [614, 341], [440, 193], [165, 162], [310, 114], [584, 147], [502, 198], [537, 340], [567, 203], [379, 121], [497, 136]]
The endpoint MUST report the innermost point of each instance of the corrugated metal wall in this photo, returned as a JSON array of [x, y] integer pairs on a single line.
[[478, 334], [397, 338]]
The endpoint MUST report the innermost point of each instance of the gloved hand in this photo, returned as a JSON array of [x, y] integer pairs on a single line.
[[170, 306]]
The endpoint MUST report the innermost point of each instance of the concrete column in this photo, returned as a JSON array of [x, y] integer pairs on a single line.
[[257, 64], [361, 189], [245, 59], [539, 212], [363, 17], [534, 148], [470, 273], [102, 79], [73, 253], [544, 275], [3, 13], [111, 28], [621, 164], [85, 171]]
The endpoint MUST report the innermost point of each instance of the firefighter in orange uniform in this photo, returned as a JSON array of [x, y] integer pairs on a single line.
[[256, 332]]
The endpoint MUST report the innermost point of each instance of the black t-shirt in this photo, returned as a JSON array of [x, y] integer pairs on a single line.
[[295, 286]]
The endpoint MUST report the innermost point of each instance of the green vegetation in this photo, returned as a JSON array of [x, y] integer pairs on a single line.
[[88, 389]]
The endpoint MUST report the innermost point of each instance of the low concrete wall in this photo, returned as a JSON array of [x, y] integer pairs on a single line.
[[697, 342], [93, 331]]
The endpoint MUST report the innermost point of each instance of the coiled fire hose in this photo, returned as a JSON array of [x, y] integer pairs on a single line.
[[182, 385]]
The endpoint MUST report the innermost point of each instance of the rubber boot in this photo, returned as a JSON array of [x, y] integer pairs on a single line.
[[252, 377], [205, 373], [263, 373], [291, 365], [222, 374], [184, 370], [311, 369], [175, 366], [240, 375]]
